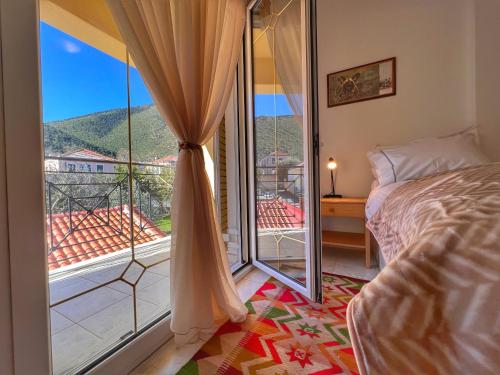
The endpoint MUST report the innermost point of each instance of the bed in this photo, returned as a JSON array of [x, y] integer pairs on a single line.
[[435, 307], [377, 197]]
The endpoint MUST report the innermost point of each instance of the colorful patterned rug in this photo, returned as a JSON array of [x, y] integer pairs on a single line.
[[284, 334]]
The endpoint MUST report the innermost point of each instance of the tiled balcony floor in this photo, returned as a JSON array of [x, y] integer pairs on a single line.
[[86, 325], [91, 313]]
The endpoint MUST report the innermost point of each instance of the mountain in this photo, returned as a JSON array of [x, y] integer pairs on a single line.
[[107, 133], [286, 136]]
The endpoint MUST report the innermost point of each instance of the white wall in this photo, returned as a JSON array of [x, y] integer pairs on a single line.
[[434, 45], [488, 74]]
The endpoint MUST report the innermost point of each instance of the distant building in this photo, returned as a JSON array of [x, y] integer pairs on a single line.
[[82, 160], [168, 160], [273, 159]]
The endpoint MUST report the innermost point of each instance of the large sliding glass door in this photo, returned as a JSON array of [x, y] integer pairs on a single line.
[[281, 131], [109, 168]]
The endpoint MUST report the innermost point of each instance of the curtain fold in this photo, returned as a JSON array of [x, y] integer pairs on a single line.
[[285, 41], [186, 52]]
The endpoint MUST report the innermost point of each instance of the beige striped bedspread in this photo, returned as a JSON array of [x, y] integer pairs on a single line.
[[435, 307]]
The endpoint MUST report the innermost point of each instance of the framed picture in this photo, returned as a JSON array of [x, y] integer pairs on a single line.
[[365, 82]]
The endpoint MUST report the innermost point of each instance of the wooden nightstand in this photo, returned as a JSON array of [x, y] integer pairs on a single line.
[[346, 207]]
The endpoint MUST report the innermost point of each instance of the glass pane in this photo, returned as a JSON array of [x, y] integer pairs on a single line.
[[154, 155], [93, 227], [279, 136]]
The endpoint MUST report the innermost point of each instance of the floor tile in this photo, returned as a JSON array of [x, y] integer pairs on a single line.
[[157, 293], [121, 286], [105, 274], [247, 287], [146, 279], [257, 275], [68, 287], [168, 359], [90, 303], [58, 322], [347, 263], [162, 268], [71, 346], [117, 320]]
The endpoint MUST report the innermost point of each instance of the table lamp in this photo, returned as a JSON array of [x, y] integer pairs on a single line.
[[332, 165]]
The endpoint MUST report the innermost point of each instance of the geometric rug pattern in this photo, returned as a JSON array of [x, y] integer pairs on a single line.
[[284, 334]]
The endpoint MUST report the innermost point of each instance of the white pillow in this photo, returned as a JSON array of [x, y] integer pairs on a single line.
[[381, 168], [425, 157]]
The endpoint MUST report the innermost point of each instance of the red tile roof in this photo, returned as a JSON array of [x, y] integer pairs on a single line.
[[95, 234], [169, 159], [84, 153], [277, 213]]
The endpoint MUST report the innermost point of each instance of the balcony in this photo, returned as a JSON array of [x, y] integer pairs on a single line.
[[108, 253]]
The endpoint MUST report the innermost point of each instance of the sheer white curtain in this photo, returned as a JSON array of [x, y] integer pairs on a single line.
[[285, 40], [186, 52]]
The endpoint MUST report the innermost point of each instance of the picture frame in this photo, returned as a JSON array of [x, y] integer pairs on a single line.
[[364, 82]]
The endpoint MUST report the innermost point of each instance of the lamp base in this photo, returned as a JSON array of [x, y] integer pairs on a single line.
[[332, 196]]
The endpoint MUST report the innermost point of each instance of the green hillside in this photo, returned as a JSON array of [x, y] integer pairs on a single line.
[[286, 137], [107, 133]]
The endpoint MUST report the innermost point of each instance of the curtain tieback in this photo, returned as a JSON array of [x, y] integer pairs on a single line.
[[189, 146]]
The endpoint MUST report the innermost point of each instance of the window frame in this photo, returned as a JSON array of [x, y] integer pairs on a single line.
[[235, 115], [25, 187]]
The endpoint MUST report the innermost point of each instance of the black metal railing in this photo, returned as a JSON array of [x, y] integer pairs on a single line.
[[286, 182], [280, 193], [79, 203]]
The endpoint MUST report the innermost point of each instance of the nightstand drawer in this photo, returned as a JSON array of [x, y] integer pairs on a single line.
[[343, 209]]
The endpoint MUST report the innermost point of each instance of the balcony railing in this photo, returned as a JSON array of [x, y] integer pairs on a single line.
[[92, 213], [280, 196]]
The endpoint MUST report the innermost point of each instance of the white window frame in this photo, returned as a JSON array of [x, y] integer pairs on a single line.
[[25, 205], [312, 287], [235, 117]]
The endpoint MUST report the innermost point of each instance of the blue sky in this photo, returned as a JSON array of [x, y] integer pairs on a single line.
[[78, 79]]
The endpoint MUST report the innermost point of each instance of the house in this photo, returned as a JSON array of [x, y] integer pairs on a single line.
[[291, 187], [273, 159], [82, 160], [168, 160]]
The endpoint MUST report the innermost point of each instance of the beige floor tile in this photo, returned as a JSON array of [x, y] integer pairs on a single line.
[[162, 268], [106, 274], [157, 293], [72, 346], [90, 303], [347, 263], [58, 322], [70, 286], [117, 320]]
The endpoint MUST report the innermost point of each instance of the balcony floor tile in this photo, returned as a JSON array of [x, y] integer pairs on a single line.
[[90, 303]]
